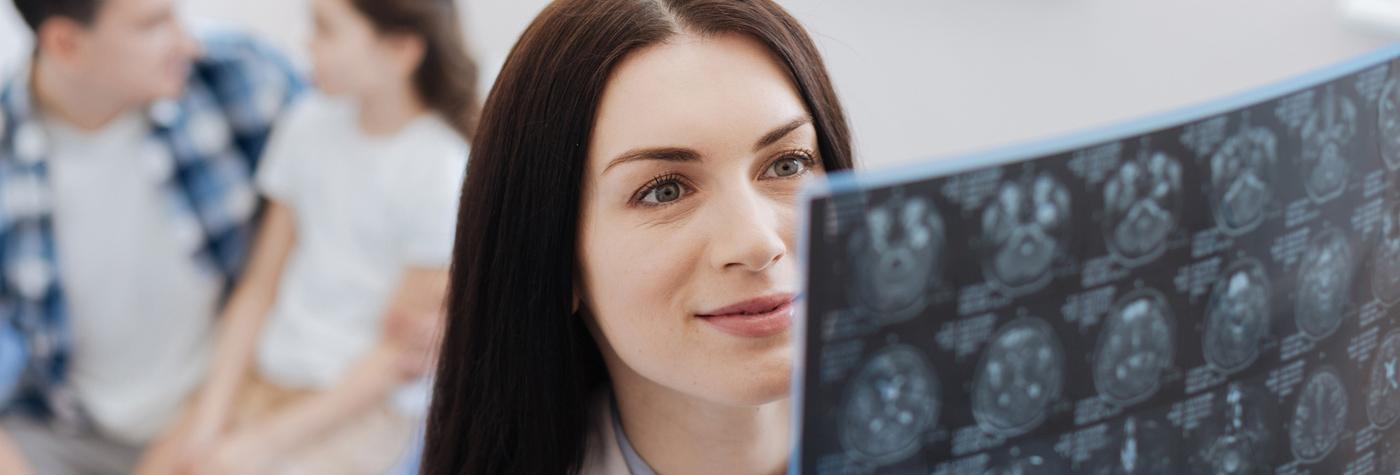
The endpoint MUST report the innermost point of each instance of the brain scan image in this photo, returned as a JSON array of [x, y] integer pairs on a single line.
[[1021, 372], [1238, 439], [1388, 122], [1024, 228], [896, 254], [1319, 418], [1028, 459], [1142, 203], [1140, 447], [1324, 284], [1326, 134], [1135, 346], [1237, 316], [1390, 459], [1383, 393], [1241, 178], [893, 400], [1385, 270]]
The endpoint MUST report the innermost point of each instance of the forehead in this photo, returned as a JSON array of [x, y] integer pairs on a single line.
[[127, 9], [694, 90]]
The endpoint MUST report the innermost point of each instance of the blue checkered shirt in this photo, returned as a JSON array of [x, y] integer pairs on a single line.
[[206, 142]]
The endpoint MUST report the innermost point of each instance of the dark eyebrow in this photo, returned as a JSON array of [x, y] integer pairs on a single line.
[[677, 154], [668, 154], [772, 137]]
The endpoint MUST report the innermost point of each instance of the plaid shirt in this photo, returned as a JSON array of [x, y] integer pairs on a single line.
[[205, 143]]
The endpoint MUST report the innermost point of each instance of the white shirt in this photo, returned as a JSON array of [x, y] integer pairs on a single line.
[[366, 209], [141, 307]]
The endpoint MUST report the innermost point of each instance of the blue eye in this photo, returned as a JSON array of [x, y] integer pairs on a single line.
[[663, 193], [662, 190], [790, 165]]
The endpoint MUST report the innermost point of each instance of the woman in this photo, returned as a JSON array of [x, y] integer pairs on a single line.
[[623, 277]]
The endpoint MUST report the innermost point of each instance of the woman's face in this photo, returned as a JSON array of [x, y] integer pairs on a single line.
[[687, 227]]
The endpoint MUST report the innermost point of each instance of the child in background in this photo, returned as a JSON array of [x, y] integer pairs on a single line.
[[362, 187]]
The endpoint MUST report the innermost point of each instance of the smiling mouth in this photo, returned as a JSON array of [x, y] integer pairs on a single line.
[[757, 318], [758, 306]]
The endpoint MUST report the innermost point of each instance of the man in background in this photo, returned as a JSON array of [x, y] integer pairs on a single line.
[[127, 150]]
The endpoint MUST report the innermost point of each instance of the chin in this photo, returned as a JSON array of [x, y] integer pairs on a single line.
[[759, 384]]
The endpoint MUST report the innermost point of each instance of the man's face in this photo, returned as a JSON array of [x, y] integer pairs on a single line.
[[134, 49]]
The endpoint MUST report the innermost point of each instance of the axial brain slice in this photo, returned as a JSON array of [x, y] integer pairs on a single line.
[[1324, 284], [1135, 347], [1241, 174], [894, 399], [1023, 228], [896, 254], [1021, 373], [1383, 394], [1237, 317], [1326, 133], [1389, 123], [1242, 439], [1385, 273], [1141, 200], [1319, 417]]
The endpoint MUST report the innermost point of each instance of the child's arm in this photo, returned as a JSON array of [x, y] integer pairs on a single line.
[[368, 384], [11, 460], [203, 422], [242, 321]]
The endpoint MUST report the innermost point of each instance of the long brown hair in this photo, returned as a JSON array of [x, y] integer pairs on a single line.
[[517, 371], [446, 79]]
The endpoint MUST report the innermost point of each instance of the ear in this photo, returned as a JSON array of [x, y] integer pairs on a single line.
[[61, 38], [407, 50]]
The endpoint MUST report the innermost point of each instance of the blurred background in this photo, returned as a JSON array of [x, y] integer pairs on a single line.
[[923, 78]]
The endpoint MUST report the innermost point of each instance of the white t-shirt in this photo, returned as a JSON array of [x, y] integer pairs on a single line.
[[141, 308], [366, 208]]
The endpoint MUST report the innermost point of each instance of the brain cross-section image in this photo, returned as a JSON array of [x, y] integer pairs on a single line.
[[1324, 284], [893, 400], [1135, 346], [1237, 439], [1241, 179], [1319, 417], [1390, 458], [1237, 316], [896, 252], [1142, 202], [1139, 447], [1024, 227], [1383, 393], [1385, 270], [1029, 459], [1326, 134], [1021, 372], [1388, 123]]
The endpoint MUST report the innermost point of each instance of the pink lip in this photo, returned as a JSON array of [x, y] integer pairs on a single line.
[[757, 318]]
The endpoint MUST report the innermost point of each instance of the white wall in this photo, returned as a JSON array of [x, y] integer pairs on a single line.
[[927, 78]]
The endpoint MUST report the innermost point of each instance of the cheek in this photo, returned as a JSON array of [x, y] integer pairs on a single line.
[[637, 279], [635, 283], [346, 66], [333, 67]]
